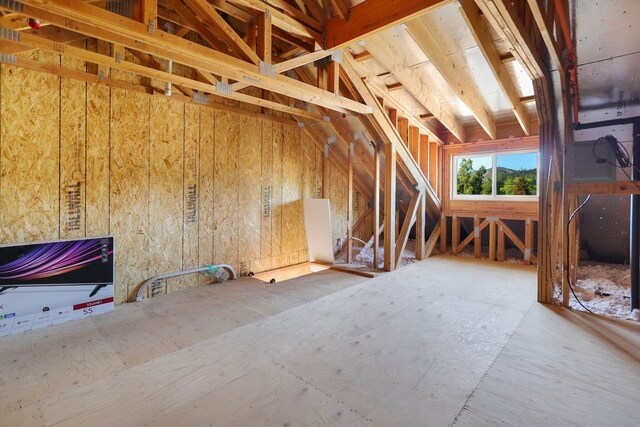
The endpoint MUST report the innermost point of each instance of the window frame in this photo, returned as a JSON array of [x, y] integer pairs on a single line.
[[494, 174]]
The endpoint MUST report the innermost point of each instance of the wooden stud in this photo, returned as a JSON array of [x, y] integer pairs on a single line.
[[264, 37], [500, 254], [325, 172], [528, 241], [421, 219], [333, 77], [350, 205], [433, 239], [492, 240], [390, 208], [403, 130], [477, 238], [414, 143], [424, 157], [455, 234], [443, 234], [376, 204]]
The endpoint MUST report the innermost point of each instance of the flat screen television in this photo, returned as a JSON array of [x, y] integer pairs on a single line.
[[50, 282]]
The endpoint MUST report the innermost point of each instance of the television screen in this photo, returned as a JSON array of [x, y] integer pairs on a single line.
[[48, 283]]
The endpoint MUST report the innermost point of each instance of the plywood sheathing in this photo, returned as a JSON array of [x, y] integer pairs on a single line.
[[142, 162]]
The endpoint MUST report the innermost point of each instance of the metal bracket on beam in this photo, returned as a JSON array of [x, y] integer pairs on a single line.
[[201, 98], [336, 56], [11, 35], [151, 26], [300, 124], [492, 218], [476, 231], [224, 88], [326, 119], [101, 74], [8, 59], [251, 79], [527, 254], [118, 57], [267, 69], [13, 5]]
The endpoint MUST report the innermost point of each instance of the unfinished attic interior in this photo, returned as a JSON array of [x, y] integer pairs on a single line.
[[310, 213]]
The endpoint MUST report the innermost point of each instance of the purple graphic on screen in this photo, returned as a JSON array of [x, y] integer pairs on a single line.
[[69, 262]]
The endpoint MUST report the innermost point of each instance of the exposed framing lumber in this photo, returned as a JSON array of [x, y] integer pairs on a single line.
[[116, 61], [412, 82], [372, 16], [314, 9], [482, 35], [390, 207], [541, 18], [340, 8], [433, 239], [264, 37], [350, 204], [421, 225], [149, 13], [455, 234], [288, 23], [477, 237], [617, 187], [492, 240], [222, 29], [95, 22], [290, 64], [467, 94], [408, 222], [443, 234], [376, 204]]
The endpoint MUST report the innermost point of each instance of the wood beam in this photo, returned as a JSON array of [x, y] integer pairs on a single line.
[[471, 97], [96, 22], [315, 10], [412, 80], [362, 56], [333, 77], [433, 239], [483, 37], [616, 187], [350, 204], [390, 207], [409, 220], [443, 234], [372, 16], [376, 204], [541, 18], [222, 29], [340, 8], [286, 22], [149, 13], [264, 37], [116, 61], [421, 225]]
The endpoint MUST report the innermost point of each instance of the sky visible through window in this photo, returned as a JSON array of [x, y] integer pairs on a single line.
[[520, 161]]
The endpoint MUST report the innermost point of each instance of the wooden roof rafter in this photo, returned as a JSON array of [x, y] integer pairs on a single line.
[[104, 25]]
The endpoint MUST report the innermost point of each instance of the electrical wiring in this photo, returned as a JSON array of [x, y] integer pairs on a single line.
[[573, 214]]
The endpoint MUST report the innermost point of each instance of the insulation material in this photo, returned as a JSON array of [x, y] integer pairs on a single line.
[[97, 175], [276, 196], [249, 190], [266, 212], [72, 153], [129, 192], [226, 190], [190, 193], [165, 192], [29, 156], [205, 196]]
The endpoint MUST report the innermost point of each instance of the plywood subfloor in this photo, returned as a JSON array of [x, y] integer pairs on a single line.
[[441, 342]]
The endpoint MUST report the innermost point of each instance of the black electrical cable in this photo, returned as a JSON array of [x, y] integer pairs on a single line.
[[573, 214], [621, 153]]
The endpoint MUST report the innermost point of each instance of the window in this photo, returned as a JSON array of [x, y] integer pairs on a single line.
[[496, 176]]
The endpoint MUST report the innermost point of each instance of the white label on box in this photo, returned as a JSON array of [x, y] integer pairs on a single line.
[[22, 323]]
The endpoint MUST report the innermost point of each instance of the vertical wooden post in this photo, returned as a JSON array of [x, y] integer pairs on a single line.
[[414, 143], [264, 37], [564, 250], [333, 78], [455, 234], [390, 208], [528, 241], [477, 239], [325, 172], [492, 240], [443, 234], [350, 207], [500, 243], [376, 204], [424, 156], [403, 130], [421, 226], [146, 11], [397, 222]]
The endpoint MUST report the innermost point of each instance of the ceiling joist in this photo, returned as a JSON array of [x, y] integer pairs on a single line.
[[96, 22]]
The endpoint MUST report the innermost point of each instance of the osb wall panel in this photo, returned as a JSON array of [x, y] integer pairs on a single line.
[[129, 190], [178, 185], [29, 155], [165, 195]]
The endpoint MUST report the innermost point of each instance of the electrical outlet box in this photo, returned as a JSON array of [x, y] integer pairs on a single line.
[[591, 161]]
